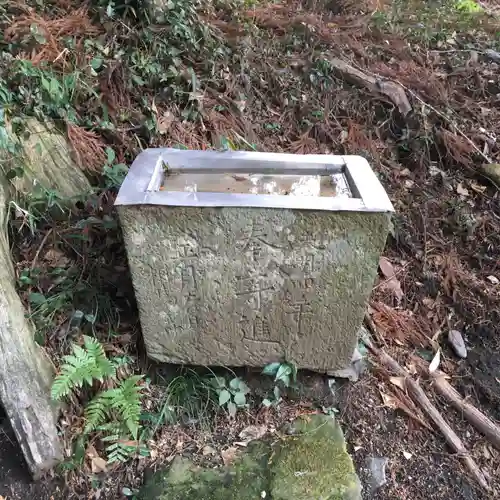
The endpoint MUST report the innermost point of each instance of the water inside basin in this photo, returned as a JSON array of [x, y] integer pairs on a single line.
[[334, 185]]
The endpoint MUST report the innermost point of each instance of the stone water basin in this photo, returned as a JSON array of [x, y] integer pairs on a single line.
[[243, 258]]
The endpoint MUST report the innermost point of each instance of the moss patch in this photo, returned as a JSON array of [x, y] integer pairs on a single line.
[[311, 463], [245, 480]]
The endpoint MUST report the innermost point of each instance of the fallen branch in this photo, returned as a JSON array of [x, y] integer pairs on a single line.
[[42, 244], [418, 395], [480, 421], [394, 91], [404, 88]]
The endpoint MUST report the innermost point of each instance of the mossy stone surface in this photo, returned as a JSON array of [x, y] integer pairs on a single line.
[[245, 480], [313, 463], [309, 464], [46, 162]]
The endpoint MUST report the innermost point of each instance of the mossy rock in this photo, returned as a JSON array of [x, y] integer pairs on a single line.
[[313, 463], [245, 480], [309, 464]]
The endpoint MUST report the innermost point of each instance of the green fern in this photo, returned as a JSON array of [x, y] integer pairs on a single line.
[[83, 366], [126, 400], [118, 451], [96, 413], [114, 413], [104, 368], [123, 404]]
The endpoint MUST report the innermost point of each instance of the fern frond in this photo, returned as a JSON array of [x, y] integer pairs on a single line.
[[103, 366], [131, 410], [118, 452], [126, 400], [111, 429], [74, 372], [96, 413], [84, 365]]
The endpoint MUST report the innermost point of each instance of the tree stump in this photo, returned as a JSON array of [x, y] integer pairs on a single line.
[[25, 370]]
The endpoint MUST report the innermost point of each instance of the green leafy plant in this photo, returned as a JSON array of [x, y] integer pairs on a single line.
[[284, 374], [114, 173], [468, 6], [115, 412], [84, 365], [233, 395]]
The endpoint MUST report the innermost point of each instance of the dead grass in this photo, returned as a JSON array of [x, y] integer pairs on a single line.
[[400, 326], [88, 148], [456, 147], [113, 88], [75, 24]]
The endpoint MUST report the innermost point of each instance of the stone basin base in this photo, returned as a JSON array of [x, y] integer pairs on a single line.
[[248, 285]]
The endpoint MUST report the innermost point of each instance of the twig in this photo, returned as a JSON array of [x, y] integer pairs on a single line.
[[391, 89], [441, 115], [42, 244], [373, 329], [419, 396], [480, 421], [445, 118]]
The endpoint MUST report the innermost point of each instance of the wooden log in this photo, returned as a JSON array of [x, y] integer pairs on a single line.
[[478, 419], [25, 371], [394, 91]]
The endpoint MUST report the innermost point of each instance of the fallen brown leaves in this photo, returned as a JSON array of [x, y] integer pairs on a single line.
[[322, 23], [52, 32], [390, 281]]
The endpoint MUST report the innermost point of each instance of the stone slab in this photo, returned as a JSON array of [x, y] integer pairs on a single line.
[[309, 463], [240, 286]]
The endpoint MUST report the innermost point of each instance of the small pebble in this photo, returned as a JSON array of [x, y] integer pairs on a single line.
[[376, 466], [457, 342]]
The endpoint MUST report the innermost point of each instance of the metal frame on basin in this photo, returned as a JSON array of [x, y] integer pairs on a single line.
[[146, 176]]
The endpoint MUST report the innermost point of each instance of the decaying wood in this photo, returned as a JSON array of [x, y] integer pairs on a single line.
[[478, 419], [419, 396], [45, 160], [390, 89], [25, 371]]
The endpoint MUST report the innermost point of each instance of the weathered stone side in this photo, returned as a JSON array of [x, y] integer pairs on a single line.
[[247, 286]]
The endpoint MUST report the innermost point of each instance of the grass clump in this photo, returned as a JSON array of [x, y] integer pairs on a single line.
[[189, 398]]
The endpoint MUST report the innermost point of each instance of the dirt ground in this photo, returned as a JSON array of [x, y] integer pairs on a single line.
[[15, 480], [419, 463]]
